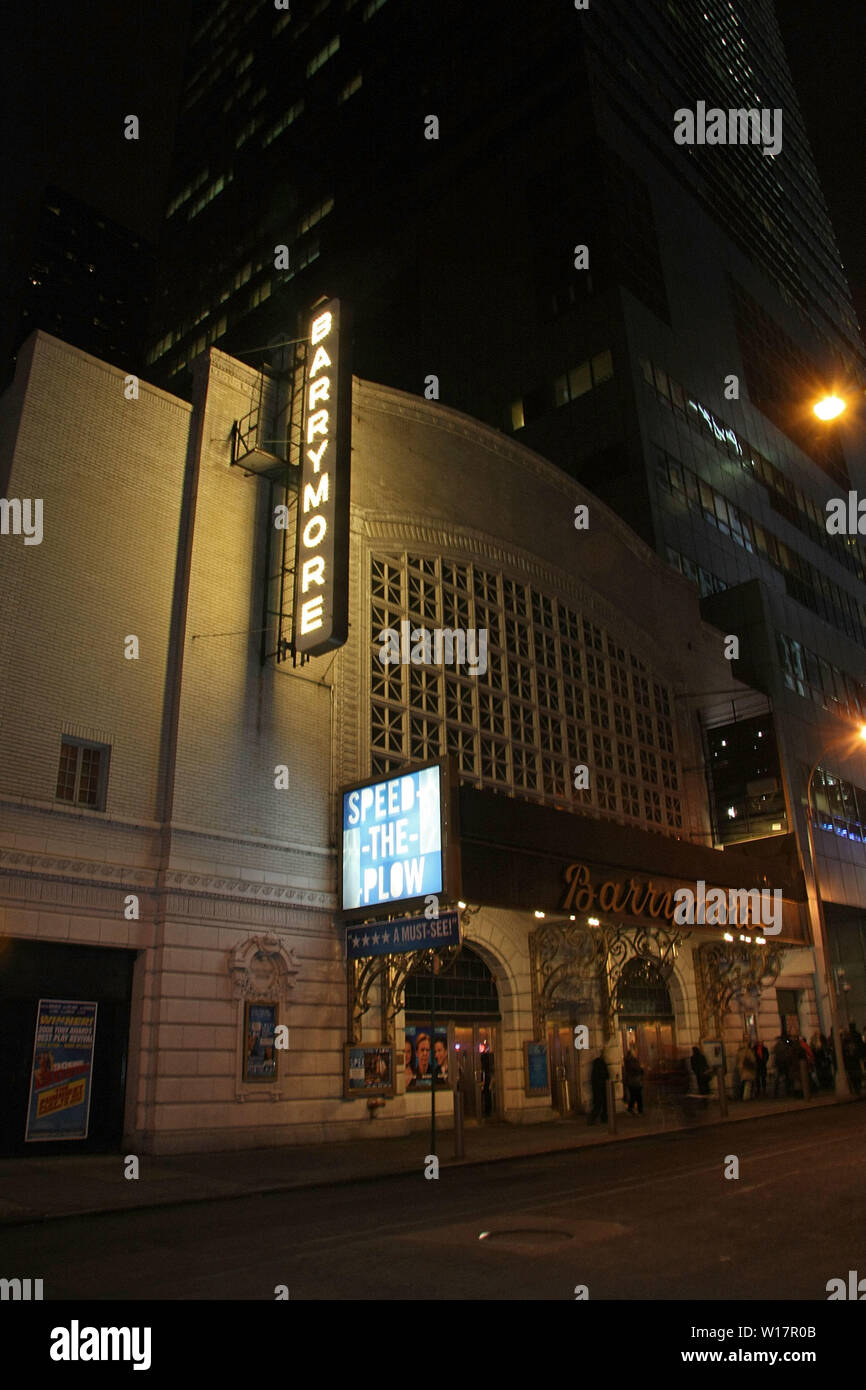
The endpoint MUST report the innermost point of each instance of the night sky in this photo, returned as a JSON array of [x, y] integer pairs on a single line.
[[78, 68]]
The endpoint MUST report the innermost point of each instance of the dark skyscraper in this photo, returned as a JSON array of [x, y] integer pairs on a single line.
[[80, 276]]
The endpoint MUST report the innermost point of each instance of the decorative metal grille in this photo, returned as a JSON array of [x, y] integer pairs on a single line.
[[593, 968], [543, 705], [730, 974]]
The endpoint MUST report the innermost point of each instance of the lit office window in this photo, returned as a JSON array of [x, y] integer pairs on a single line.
[[323, 55], [351, 87]]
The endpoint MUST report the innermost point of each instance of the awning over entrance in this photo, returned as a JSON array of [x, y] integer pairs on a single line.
[[519, 855]]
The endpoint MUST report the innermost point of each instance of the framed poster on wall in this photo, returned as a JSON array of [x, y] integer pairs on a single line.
[[536, 1069], [59, 1105], [368, 1070], [425, 1057], [260, 1051]]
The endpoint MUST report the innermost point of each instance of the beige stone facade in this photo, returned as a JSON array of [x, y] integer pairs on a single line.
[[150, 532]]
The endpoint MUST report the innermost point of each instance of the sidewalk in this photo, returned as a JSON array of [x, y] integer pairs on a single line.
[[45, 1189]]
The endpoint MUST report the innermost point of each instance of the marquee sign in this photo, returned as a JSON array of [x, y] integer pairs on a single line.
[[757, 909], [399, 846], [321, 609]]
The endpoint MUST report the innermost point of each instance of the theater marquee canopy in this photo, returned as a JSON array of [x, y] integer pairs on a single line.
[[519, 855]]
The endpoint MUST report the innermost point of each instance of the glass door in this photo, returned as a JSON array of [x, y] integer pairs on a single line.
[[486, 1057], [465, 1069], [474, 1052]]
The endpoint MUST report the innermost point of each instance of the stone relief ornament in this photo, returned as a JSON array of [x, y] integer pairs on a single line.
[[262, 967]]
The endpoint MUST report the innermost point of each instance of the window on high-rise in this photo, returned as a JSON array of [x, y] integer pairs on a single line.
[[323, 55]]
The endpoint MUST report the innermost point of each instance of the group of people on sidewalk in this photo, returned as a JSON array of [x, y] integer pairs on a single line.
[[819, 1055], [753, 1065]]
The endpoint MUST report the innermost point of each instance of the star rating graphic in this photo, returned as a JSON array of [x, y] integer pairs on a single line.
[[375, 938]]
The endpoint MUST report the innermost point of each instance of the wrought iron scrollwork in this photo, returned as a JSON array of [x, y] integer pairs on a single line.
[[565, 961], [569, 960], [731, 973], [386, 977]]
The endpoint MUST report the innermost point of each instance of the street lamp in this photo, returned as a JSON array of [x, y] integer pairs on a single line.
[[829, 407], [842, 1088], [836, 401]]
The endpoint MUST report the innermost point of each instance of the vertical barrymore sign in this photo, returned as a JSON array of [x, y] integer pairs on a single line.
[[321, 609]]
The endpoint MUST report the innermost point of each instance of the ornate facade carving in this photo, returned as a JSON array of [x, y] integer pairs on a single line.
[[44, 878], [262, 967]]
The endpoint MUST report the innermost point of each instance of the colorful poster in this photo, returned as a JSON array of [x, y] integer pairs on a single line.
[[62, 1068], [537, 1075], [260, 1054], [425, 1057], [369, 1070]]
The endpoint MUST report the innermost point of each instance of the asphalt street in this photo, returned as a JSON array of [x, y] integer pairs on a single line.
[[651, 1220]]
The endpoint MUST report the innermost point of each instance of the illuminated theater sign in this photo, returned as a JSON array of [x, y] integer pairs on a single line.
[[399, 844], [321, 609]]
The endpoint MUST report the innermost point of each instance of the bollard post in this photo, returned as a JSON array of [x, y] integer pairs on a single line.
[[611, 1107], [459, 1108], [804, 1079], [723, 1095], [458, 1122]]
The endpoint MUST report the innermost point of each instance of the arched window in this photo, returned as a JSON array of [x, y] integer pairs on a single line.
[[642, 992], [465, 990]]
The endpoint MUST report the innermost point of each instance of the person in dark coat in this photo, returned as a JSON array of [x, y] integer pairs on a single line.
[[782, 1057], [701, 1069], [632, 1072], [762, 1057], [824, 1062], [598, 1079], [852, 1050]]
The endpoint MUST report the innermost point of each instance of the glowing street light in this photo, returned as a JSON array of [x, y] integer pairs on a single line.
[[829, 407]]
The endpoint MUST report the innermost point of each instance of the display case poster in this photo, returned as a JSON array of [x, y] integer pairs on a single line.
[[425, 1057], [537, 1074], [369, 1070], [59, 1106], [260, 1053]]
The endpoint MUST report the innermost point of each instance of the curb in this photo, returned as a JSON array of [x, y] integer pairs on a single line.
[[344, 1181]]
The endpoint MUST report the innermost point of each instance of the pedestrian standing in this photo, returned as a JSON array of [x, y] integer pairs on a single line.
[[823, 1061], [782, 1058], [701, 1069], [762, 1057], [598, 1079], [747, 1068], [852, 1049], [633, 1075]]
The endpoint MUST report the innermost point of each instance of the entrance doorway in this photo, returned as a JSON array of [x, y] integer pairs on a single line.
[[30, 971], [467, 1025], [646, 1019], [475, 1050]]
